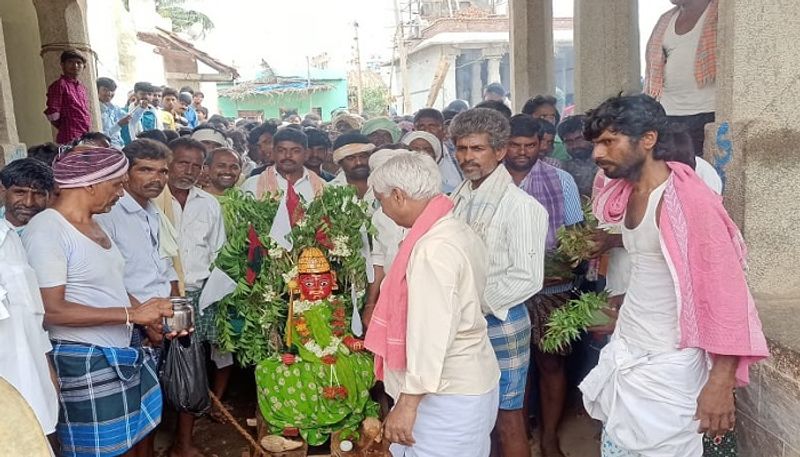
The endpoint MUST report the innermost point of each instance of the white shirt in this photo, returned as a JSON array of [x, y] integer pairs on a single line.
[[302, 186], [515, 239], [135, 231], [201, 234], [708, 174], [681, 96], [387, 242], [23, 341], [94, 276], [447, 346]]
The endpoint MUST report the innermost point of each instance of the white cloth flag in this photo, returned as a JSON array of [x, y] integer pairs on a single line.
[[355, 323], [282, 226], [367, 255], [218, 286]]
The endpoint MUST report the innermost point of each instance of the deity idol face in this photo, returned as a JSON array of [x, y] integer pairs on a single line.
[[316, 286]]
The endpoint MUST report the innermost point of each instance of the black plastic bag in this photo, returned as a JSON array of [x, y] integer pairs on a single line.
[[183, 378]]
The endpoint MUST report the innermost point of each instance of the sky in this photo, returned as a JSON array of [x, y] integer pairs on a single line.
[[284, 33]]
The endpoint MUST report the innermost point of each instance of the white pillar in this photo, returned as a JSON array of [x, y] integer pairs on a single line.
[[493, 69], [532, 67], [476, 83], [10, 147]]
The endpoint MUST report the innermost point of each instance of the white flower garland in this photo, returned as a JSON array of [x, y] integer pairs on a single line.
[[301, 306], [330, 349]]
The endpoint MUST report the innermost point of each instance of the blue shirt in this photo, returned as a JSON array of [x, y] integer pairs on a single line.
[[191, 116], [573, 213], [135, 232], [110, 116]]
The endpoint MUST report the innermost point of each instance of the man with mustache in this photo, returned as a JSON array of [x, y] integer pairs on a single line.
[[351, 152], [580, 165], [26, 187], [223, 166], [288, 174], [514, 227]]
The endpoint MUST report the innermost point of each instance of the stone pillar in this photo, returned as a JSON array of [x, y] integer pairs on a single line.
[[10, 147], [532, 68], [62, 24], [493, 69], [606, 50], [476, 83]]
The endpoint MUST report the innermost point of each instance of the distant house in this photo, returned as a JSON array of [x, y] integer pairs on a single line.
[[275, 94]]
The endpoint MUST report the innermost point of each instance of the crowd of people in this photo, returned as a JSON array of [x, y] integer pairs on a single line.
[[100, 229]]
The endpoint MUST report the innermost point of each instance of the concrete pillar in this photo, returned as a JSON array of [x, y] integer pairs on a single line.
[[10, 147], [62, 24], [476, 83], [532, 68], [606, 50], [493, 69], [754, 141]]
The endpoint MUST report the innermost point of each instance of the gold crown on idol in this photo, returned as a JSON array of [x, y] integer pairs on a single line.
[[312, 260]]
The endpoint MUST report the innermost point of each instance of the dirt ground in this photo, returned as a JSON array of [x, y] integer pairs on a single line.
[[579, 434]]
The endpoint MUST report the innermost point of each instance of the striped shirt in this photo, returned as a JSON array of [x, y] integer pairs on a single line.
[[573, 213], [515, 240]]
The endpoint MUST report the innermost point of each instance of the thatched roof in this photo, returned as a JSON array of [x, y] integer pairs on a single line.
[[254, 88]]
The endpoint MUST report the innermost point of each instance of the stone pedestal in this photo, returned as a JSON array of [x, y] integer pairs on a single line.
[[62, 24], [532, 68], [606, 50]]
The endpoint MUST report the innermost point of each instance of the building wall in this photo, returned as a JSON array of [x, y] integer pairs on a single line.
[[271, 106], [21, 35], [422, 67]]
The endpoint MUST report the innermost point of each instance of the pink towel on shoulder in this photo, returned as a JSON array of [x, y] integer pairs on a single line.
[[386, 335], [706, 254]]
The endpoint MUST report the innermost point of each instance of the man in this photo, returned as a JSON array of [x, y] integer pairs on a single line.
[[432, 121], [202, 115], [319, 152], [144, 114], [197, 219], [260, 146], [211, 137], [557, 192], [288, 175], [186, 109], [547, 144], [224, 167], [157, 95], [681, 65], [494, 92], [25, 345], [114, 117], [428, 332], [381, 131], [688, 328], [498, 106], [110, 397], [580, 164], [497, 210], [169, 102], [26, 186], [67, 102], [351, 152], [545, 107], [197, 100], [45, 153]]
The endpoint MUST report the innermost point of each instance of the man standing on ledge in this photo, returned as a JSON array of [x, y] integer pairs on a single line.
[[652, 388], [67, 102], [514, 227]]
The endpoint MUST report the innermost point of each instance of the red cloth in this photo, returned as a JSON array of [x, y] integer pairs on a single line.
[[68, 98], [386, 335], [293, 205], [706, 255]]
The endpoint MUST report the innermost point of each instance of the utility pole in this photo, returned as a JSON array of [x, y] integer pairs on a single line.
[[401, 48], [360, 86]]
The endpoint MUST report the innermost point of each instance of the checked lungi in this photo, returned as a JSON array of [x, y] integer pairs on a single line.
[[110, 398], [511, 341]]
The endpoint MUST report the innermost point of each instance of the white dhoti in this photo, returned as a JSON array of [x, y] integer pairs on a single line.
[[452, 425], [647, 401]]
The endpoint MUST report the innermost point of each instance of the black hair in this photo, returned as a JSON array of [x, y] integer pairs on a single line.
[[350, 138], [496, 88], [169, 91], [630, 115], [457, 106], [92, 136], [317, 137], [27, 172], [143, 86], [170, 134], [267, 127], [534, 103], [571, 124], [525, 125], [200, 94], [186, 142], [496, 105], [293, 135], [239, 140], [676, 145], [449, 114], [203, 110], [187, 89], [72, 54], [184, 131], [216, 151], [146, 149], [185, 97], [45, 153], [216, 120], [429, 113], [108, 83], [156, 135], [547, 127]]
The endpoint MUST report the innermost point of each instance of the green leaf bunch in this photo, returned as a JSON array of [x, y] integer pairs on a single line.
[[567, 322]]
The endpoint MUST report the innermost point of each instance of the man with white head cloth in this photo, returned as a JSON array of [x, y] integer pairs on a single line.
[[428, 332]]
